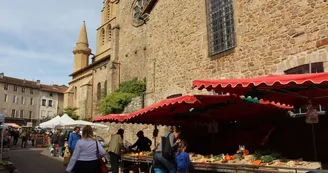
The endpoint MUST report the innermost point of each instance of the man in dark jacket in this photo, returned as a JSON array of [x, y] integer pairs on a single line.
[[54, 142], [143, 143], [61, 143]]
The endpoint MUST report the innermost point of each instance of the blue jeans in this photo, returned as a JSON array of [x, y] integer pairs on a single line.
[[157, 170], [61, 149], [167, 164]]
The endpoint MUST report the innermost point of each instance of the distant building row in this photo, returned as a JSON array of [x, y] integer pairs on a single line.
[[23, 101]]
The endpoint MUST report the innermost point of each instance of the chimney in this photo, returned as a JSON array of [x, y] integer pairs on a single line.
[[38, 82], [2, 75]]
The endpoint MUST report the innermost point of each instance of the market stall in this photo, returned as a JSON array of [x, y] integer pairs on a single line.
[[51, 124], [295, 90], [227, 109], [197, 108], [299, 90], [13, 125]]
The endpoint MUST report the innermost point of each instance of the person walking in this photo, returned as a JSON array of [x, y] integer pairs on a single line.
[[61, 143], [54, 142], [73, 138], [24, 138], [33, 138], [115, 148], [15, 136], [87, 154]]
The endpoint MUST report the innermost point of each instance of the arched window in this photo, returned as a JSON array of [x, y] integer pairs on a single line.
[[105, 88], [75, 92], [102, 36], [99, 91], [108, 11], [109, 33], [315, 68], [303, 69]]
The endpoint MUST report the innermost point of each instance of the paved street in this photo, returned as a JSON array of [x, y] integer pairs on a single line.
[[35, 160]]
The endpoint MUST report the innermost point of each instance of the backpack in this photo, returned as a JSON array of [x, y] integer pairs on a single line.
[[167, 151]]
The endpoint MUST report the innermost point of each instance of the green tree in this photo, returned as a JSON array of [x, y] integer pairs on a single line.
[[133, 86], [71, 112], [116, 101]]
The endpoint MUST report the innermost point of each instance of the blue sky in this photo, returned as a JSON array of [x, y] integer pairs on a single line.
[[37, 37]]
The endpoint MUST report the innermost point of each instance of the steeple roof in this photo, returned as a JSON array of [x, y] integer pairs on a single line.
[[82, 45], [83, 37]]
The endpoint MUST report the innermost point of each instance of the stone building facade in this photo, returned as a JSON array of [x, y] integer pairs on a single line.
[[21, 100], [179, 41], [51, 101], [171, 43]]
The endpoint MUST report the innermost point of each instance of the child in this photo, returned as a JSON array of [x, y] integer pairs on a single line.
[[182, 158]]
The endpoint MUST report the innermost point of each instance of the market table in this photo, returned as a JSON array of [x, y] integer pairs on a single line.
[[217, 167], [250, 168], [148, 160]]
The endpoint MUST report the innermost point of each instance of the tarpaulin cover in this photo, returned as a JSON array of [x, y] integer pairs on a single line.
[[197, 108], [295, 89]]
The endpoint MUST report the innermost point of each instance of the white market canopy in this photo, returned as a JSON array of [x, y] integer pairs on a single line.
[[58, 121], [82, 123], [66, 122], [51, 123]]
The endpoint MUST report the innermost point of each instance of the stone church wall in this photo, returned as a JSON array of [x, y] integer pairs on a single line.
[[135, 105], [130, 131], [171, 49]]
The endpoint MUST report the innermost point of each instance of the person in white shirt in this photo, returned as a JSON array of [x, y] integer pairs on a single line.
[[85, 158]]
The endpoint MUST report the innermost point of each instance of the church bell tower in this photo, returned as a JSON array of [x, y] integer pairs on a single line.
[[81, 51]]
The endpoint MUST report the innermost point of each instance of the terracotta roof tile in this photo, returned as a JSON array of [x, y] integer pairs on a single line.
[[19, 82], [33, 84], [53, 88]]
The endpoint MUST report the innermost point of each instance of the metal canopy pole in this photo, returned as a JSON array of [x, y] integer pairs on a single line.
[[312, 125], [1, 145]]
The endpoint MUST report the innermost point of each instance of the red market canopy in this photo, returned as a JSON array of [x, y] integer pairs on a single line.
[[198, 108], [111, 118], [295, 89]]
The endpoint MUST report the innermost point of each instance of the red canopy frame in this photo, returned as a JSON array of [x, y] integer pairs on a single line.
[[111, 117], [290, 89], [195, 108]]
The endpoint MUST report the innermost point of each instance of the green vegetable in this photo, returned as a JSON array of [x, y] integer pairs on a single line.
[[266, 156]]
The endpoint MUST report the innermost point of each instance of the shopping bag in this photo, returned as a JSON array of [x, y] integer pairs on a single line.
[[49, 147], [102, 164], [66, 161], [67, 157]]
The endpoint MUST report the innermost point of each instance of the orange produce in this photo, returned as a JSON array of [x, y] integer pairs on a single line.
[[257, 162], [246, 152], [227, 157], [233, 157]]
